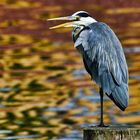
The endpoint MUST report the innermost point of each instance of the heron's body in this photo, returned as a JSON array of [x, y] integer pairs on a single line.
[[102, 55], [104, 60]]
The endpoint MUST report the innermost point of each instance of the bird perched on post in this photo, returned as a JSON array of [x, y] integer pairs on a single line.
[[103, 57]]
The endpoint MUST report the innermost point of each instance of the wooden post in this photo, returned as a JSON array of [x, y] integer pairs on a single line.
[[111, 133]]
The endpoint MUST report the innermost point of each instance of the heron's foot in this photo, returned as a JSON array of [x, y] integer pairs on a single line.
[[102, 125]]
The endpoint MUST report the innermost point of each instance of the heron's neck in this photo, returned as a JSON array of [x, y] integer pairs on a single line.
[[76, 31]]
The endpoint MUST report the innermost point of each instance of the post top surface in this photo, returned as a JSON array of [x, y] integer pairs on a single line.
[[113, 128]]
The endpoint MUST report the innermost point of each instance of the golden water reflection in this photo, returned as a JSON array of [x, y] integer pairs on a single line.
[[45, 93]]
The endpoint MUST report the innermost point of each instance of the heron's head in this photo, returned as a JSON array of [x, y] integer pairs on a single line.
[[80, 18]]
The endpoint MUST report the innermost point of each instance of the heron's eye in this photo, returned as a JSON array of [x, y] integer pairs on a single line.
[[77, 18]]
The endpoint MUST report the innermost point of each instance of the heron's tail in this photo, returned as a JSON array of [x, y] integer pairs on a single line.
[[120, 96]]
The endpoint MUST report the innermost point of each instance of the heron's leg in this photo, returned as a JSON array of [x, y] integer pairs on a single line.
[[101, 101]]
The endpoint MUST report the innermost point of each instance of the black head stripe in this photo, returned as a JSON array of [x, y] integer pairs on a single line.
[[83, 14]]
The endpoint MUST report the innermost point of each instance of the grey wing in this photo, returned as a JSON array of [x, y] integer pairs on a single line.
[[104, 58]]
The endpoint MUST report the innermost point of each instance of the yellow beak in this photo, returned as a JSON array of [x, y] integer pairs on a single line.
[[67, 24]]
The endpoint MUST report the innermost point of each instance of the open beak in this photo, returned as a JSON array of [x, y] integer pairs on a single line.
[[72, 21]]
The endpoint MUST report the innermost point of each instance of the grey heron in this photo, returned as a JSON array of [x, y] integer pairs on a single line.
[[103, 57]]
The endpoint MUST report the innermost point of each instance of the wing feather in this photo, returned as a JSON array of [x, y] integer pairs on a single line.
[[104, 58]]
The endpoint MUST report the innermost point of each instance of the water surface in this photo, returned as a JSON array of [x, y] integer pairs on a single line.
[[45, 93]]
